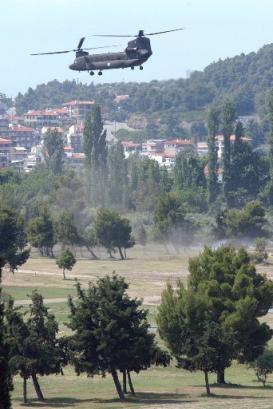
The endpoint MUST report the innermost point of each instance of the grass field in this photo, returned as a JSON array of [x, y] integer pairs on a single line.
[[157, 388]]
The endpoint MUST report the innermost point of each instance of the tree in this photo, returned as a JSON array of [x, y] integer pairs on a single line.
[[95, 149], [228, 118], [65, 229], [66, 261], [111, 332], [34, 347], [41, 232], [263, 366], [5, 375], [188, 171], [113, 231], [270, 136], [249, 222], [213, 126], [94, 138], [260, 254], [89, 240], [187, 326], [141, 235], [12, 239], [54, 151], [117, 177], [238, 296], [169, 219]]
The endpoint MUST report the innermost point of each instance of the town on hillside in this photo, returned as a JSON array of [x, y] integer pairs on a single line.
[[21, 137]]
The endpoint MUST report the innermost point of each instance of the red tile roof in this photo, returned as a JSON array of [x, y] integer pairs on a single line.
[[179, 142], [78, 155], [4, 141], [78, 102], [21, 128]]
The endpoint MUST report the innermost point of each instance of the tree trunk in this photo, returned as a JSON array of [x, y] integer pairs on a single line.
[[25, 390], [37, 387], [64, 273], [117, 384], [124, 381], [130, 383], [121, 254], [221, 377], [207, 383], [92, 253]]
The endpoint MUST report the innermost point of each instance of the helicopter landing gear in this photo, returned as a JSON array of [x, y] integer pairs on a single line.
[[100, 73], [91, 73], [132, 68], [140, 67]]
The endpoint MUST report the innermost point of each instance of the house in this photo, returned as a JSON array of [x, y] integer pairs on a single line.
[[23, 136], [40, 118], [78, 109], [220, 143], [131, 148], [75, 136], [5, 148], [76, 159], [153, 146], [175, 146], [202, 148]]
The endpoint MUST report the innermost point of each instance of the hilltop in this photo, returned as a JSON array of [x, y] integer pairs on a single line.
[[245, 78]]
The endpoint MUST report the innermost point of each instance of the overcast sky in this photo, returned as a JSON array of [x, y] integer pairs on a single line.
[[213, 29]]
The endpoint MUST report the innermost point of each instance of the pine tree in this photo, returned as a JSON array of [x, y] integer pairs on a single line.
[[111, 332], [5, 376], [213, 126], [34, 347]]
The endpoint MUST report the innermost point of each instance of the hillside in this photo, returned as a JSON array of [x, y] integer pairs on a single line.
[[245, 78]]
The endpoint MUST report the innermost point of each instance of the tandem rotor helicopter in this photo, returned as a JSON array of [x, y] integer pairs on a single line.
[[135, 54]]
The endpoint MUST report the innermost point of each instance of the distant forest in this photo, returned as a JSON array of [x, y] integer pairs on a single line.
[[245, 79]]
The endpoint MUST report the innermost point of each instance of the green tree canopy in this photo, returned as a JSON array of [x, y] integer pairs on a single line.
[[113, 231], [247, 222], [111, 332], [54, 151], [34, 347], [12, 239], [41, 232], [66, 261]]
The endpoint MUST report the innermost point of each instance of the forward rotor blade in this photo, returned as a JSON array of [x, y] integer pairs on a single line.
[[53, 52], [113, 35], [163, 32], [80, 43]]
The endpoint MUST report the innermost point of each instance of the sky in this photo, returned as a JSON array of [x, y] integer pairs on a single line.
[[213, 29]]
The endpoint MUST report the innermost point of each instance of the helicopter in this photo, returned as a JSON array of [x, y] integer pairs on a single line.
[[137, 52]]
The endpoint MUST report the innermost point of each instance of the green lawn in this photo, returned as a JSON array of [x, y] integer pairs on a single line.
[[168, 388], [157, 388]]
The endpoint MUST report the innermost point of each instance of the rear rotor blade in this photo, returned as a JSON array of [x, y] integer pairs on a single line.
[[80, 43], [163, 32]]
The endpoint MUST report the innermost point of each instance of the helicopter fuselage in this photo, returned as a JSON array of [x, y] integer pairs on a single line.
[[136, 53]]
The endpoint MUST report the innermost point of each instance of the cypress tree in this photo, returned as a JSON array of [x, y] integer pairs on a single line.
[[213, 126], [95, 149], [228, 118]]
